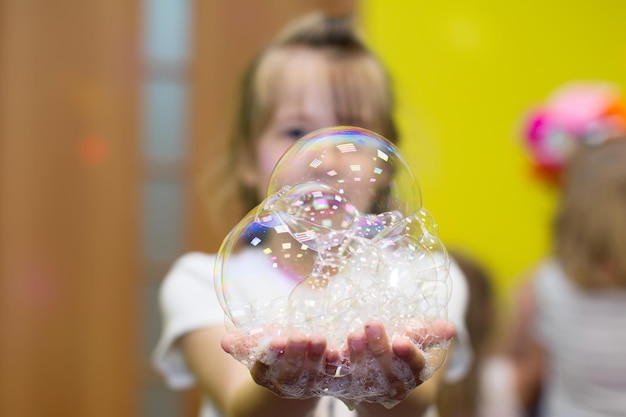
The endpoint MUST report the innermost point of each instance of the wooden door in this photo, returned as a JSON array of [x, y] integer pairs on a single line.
[[68, 208]]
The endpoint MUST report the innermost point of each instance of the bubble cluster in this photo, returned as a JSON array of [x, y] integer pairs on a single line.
[[340, 239]]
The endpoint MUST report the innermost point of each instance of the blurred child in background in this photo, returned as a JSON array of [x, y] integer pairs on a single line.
[[567, 337]]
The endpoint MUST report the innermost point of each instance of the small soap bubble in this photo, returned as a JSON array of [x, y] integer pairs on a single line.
[[340, 239]]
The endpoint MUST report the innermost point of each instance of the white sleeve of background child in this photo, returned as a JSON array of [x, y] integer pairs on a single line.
[[188, 302]]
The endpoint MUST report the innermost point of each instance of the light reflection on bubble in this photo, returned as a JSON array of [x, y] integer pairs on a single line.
[[340, 239]]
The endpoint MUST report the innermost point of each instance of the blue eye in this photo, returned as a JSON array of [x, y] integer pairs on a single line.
[[295, 133]]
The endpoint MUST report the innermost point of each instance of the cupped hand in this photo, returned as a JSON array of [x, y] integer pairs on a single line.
[[386, 371], [369, 367]]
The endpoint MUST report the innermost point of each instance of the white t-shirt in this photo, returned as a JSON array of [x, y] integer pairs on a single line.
[[189, 302], [584, 335]]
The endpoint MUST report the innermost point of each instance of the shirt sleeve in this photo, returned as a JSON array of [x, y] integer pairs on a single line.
[[188, 302], [460, 355]]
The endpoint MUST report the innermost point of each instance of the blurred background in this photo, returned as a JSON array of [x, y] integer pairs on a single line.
[[111, 110]]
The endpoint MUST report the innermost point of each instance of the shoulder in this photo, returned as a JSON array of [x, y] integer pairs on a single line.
[[191, 272], [192, 266], [549, 277], [188, 291], [194, 262]]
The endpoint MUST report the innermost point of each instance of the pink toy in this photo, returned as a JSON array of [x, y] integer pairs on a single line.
[[577, 113]]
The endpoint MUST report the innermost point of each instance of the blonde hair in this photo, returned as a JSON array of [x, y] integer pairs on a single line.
[[590, 227], [359, 83]]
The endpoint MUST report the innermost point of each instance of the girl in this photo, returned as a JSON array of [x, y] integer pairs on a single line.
[[567, 344], [317, 74]]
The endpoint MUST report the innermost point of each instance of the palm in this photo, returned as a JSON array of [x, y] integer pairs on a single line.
[[370, 368]]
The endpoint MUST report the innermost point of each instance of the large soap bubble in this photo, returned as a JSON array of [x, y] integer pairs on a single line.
[[340, 239]]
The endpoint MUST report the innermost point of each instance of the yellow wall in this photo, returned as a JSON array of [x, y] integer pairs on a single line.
[[465, 72]]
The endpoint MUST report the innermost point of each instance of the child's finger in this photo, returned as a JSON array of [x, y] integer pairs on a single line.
[[357, 346], [407, 352], [315, 359], [379, 346], [438, 331], [292, 362]]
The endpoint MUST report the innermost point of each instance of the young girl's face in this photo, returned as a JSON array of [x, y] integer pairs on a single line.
[[312, 91], [303, 104]]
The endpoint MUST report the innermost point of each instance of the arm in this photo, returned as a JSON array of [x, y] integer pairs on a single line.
[[189, 352], [228, 383]]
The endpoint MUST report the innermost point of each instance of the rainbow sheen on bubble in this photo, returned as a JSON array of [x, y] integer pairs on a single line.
[[340, 239]]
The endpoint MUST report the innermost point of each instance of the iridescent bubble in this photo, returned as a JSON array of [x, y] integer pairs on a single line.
[[363, 166], [340, 239]]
